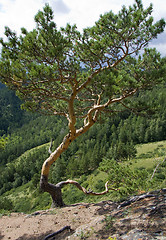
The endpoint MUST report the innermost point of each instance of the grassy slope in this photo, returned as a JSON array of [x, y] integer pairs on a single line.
[[150, 154], [27, 198]]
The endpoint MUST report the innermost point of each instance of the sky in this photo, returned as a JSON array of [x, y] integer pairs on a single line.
[[20, 13]]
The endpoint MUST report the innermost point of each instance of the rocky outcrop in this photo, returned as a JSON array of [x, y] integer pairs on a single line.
[[140, 217]]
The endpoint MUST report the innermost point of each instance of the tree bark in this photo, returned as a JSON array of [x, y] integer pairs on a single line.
[[90, 119], [56, 193], [53, 190]]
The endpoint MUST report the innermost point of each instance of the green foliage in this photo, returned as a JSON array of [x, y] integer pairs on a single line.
[[24, 199], [44, 65], [123, 177], [109, 220], [33, 133], [6, 204], [10, 113], [25, 168], [23, 205], [72, 195], [3, 142]]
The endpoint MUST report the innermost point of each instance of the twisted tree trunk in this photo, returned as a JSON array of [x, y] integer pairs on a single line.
[[55, 190], [56, 194], [89, 121]]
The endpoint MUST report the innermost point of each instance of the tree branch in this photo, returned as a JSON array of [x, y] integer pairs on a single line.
[[49, 150], [90, 192], [156, 168]]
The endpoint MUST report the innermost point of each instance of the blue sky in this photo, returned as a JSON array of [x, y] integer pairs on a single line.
[[20, 13]]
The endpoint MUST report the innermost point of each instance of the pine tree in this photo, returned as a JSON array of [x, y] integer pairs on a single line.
[[44, 67]]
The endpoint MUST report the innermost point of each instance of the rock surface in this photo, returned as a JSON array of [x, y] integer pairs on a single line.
[[141, 217]]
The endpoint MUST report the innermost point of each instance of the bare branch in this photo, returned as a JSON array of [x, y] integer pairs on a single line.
[[49, 150], [156, 168], [90, 192]]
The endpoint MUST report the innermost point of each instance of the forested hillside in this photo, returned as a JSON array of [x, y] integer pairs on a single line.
[[114, 138]]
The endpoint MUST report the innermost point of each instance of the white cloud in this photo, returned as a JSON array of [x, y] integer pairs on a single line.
[[85, 13], [60, 7], [18, 13]]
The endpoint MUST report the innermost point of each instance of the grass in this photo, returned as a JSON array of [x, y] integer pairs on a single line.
[[149, 154], [150, 147], [27, 199]]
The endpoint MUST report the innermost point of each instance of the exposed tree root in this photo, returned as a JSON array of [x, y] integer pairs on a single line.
[[55, 233]]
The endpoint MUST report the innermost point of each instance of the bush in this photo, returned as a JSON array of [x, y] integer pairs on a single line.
[[6, 204], [23, 205], [72, 195], [127, 180], [160, 176]]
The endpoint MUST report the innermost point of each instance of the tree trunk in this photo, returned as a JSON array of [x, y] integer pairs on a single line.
[[53, 190], [56, 194]]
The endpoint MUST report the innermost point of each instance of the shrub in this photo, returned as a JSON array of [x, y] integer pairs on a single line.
[[6, 204]]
